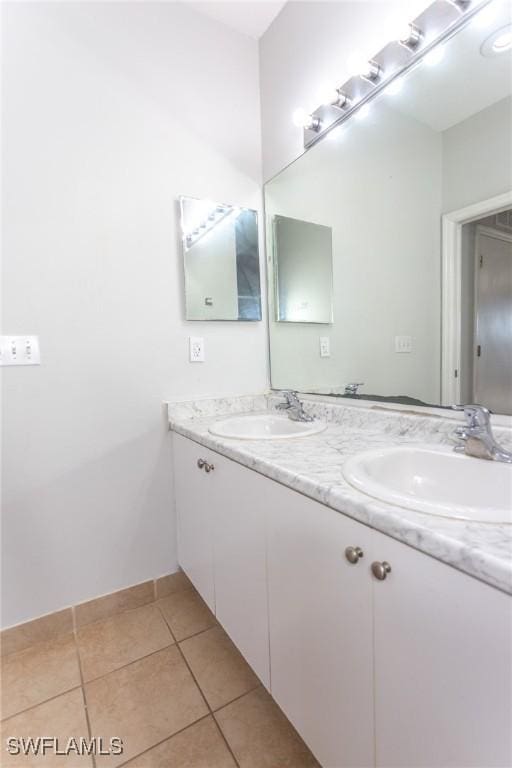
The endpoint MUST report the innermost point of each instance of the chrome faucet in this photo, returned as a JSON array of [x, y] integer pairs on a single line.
[[351, 389], [294, 406], [477, 437]]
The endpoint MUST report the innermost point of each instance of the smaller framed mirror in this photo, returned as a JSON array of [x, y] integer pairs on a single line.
[[221, 261], [303, 271]]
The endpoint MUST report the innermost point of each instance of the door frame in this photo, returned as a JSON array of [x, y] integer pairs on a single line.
[[451, 279], [497, 234]]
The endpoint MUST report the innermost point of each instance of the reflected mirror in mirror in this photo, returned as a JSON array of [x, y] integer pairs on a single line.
[[417, 192], [221, 261], [303, 271]]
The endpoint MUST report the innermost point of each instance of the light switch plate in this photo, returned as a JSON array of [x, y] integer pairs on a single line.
[[19, 350], [196, 349], [325, 346], [403, 344]]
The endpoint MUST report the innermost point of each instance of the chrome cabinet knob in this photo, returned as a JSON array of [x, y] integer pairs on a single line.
[[381, 570], [354, 554], [201, 463], [208, 467]]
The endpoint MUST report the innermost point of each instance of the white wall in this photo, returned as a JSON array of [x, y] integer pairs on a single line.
[[306, 49], [110, 111], [477, 157]]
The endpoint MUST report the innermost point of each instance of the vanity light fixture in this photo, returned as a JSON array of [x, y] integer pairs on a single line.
[[410, 36], [304, 120], [462, 5], [218, 214], [372, 72], [340, 99], [421, 40]]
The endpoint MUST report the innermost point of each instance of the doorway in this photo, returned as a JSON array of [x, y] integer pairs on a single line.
[[492, 345]]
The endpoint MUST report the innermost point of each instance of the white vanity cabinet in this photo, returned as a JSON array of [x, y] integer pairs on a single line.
[[194, 491], [443, 665], [413, 670], [221, 544], [321, 642]]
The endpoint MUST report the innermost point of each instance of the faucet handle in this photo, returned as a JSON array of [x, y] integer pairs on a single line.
[[352, 387], [476, 415]]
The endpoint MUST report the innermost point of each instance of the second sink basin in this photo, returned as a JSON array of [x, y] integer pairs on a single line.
[[435, 480], [264, 426]]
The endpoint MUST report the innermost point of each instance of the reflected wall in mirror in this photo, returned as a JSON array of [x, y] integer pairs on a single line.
[[413, 191], [303, 271], [221, 261]]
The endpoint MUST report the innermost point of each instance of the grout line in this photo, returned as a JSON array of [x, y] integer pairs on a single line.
[[45, 701], [201, 632], [190, 670], [167, 624], [210, 710], [231, 701], [226, 742], [129, 663], [208, 705], [82, 686], [167, 738]]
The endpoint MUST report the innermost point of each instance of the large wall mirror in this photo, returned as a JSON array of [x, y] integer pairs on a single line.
[[416, 191], [221, 261]]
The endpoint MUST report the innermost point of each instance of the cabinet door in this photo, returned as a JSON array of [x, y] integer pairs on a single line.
[[443, 674], [194, 494], [321, 628], [240, 560]]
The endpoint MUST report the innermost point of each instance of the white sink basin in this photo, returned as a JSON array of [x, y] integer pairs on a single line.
[[264, 426], [435, 480]]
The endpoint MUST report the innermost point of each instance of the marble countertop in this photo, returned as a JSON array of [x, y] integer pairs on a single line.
[[313, 466]]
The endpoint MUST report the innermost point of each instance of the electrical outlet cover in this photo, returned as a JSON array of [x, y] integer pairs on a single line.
[[196, 349]]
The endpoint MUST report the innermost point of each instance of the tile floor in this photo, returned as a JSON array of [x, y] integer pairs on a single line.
[[164, 677]]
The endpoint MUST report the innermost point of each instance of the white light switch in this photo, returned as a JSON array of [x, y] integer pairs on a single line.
[[19, 350], [403, 343], [325, 346], [196, 349]]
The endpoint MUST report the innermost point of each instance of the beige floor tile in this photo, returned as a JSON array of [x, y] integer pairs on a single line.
[[174, 582], [219, 668], [199, 746], [116, 602], [110, 644], [261, 736], [38, 673], [187, 613], [39, 630], [144, 703], [62, 718]]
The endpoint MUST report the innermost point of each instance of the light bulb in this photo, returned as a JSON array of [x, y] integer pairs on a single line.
[[434, 56], [304, 120], [356, 64]]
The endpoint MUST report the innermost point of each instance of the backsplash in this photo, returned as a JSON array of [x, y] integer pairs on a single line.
[[430, 428]]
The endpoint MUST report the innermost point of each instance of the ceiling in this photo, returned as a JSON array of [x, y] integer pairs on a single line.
[[251, 17]]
